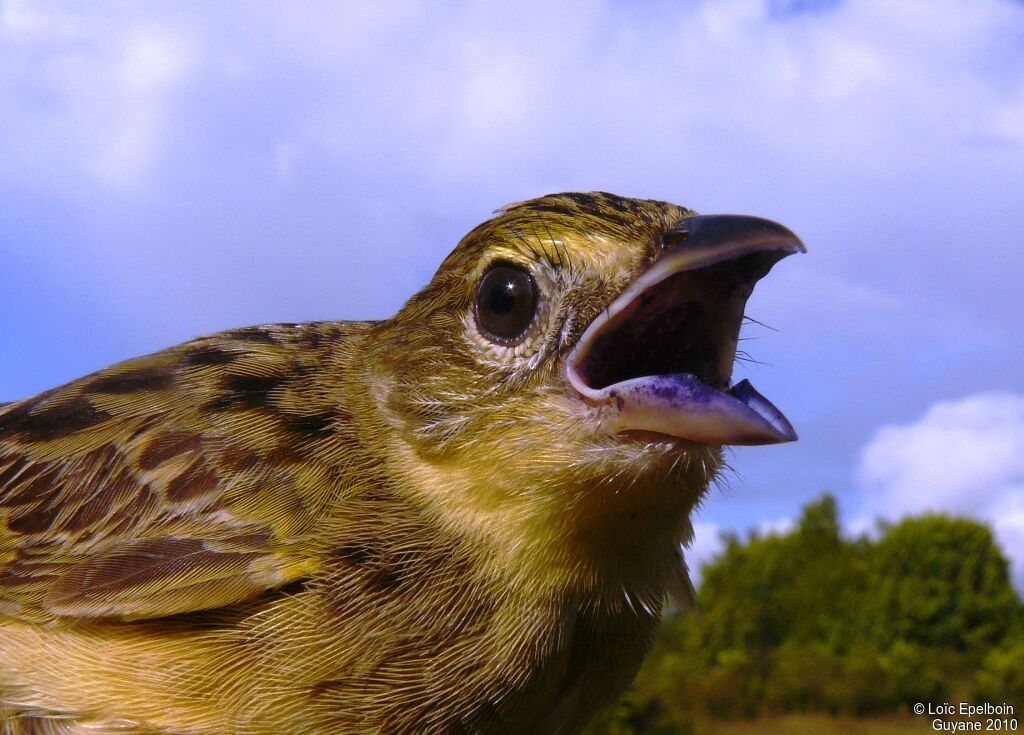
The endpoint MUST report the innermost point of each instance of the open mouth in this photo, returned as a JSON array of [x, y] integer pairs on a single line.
[[661, 354]]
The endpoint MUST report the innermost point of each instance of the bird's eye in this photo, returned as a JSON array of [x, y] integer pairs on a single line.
[[506, 299]]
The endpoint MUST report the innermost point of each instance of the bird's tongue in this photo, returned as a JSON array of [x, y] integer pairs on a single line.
[[681, 405]]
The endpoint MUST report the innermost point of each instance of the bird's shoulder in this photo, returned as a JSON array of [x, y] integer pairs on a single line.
[[187, 479]]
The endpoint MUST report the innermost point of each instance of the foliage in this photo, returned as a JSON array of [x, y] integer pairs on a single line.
[[810, 621], [942, 582], [1001, 676]]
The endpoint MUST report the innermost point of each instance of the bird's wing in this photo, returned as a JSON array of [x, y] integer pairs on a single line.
[[184, 480]]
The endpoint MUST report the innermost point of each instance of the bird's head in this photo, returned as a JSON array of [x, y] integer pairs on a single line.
[[564, 380]]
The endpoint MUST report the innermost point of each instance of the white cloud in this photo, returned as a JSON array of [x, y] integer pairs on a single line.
[[963, 457], [87, 101], [150, 65], [22, 20], [558, 82], [671, 101]]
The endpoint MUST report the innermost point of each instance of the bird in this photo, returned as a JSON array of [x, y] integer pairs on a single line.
[[466, 518]]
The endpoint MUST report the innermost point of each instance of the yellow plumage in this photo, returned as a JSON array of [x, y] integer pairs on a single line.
[[411, 525]]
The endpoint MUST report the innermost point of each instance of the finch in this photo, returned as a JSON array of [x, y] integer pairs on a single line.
[[462, 519]]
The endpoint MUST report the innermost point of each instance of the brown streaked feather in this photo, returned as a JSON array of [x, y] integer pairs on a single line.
[[184, 480]]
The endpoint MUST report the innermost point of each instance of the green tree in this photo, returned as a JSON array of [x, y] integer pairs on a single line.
[[810, 620], [941, 582], [1000, 677], [801, 587]]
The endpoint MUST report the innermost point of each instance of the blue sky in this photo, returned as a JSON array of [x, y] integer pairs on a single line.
[[172, 169]]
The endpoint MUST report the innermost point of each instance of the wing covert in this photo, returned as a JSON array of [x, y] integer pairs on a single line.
[[188, 479]]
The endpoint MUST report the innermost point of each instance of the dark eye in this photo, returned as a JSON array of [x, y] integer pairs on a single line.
[[506, 299]]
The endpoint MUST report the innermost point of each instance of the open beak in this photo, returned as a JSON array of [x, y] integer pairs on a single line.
[[661, 354]]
